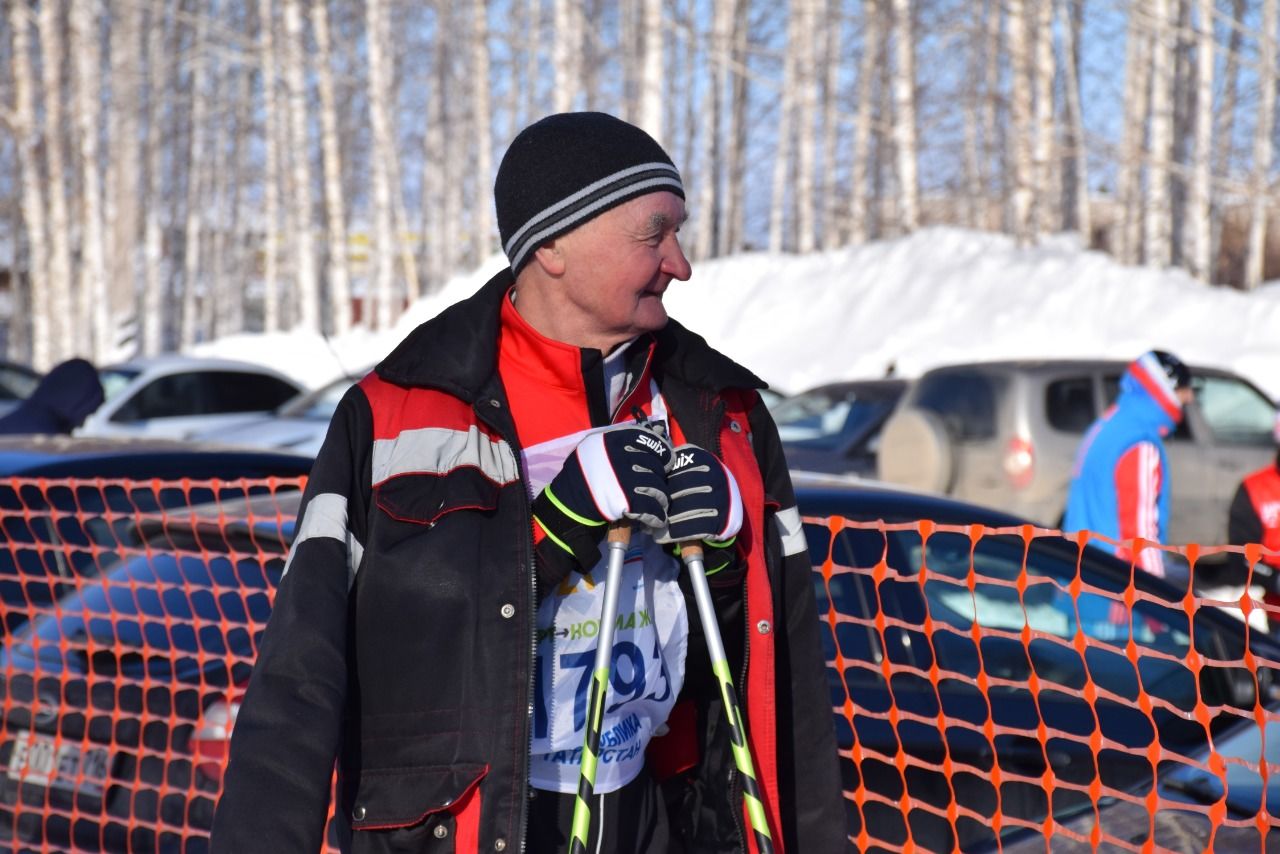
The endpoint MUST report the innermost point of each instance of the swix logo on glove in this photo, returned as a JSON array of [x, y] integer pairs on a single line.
[[653, 443], [682, 460]]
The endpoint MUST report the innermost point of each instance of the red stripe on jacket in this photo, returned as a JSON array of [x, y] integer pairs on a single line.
[[761, 688], [397, 409], [1138, 478]]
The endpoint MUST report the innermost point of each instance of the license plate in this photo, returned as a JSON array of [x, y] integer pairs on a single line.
[[40, 760]]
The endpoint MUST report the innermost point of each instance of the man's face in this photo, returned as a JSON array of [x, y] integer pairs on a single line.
[[618, 265]]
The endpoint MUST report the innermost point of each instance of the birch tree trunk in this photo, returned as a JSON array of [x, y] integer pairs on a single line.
[[151, 313], [334, 204], [301, 239], [806, 120], [1042, 146], [380, 119], [1224, 121], [708, 134], [1261, 189], [992, 147], [1157, 212], [434, 232], [904, 116], [195, 187], [85, 54], [482, 131], [867, 70], [786, 127], [23, 120], [971, 205], [831, 26], [271, 175], [731, 236], [1020, 120], [124, 165], [651, 76], [565, 54], [1198, 208], [61, 306], [1129, 172], [1079, 201]]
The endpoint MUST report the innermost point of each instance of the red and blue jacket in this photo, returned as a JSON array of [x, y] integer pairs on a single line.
[[1120, 483]]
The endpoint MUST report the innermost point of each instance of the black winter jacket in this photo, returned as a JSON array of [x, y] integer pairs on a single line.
[[402, 637]]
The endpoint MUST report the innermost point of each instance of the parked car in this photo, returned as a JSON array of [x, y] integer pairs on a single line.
[[179, 396], [1023, 690], [299, 425], [118, 705], [1005, 434], [59, 532], [835, 428]]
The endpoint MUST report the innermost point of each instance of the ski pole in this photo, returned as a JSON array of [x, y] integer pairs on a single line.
[[692, 554], [619, 537]]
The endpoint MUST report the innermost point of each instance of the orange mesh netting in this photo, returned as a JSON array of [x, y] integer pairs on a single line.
[[989, 685]]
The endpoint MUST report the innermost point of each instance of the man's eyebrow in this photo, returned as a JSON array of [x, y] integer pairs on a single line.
[[660, 221]]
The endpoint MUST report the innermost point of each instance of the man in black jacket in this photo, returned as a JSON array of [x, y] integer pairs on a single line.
[[433, 629]]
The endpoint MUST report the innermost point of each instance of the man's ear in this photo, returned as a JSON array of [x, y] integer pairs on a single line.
[[550, 257]]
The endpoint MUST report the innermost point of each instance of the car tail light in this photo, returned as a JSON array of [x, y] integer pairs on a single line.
[[212, 737], [1020, 462]]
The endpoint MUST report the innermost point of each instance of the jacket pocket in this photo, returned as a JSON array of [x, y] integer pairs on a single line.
[[424, 499], [413, 798]]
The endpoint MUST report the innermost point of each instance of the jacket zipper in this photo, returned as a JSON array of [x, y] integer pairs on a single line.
[[531, 621]]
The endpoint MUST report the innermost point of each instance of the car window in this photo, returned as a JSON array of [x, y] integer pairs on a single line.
[[319, 405], [169, 396], [15, 383], [114, 380], [1069, 404], [1236, 412], [825, 420], [966, 402], [243, 391]]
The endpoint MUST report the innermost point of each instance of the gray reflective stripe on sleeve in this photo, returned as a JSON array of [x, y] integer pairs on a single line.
[[438, 450], [326, 516], [792, 531]]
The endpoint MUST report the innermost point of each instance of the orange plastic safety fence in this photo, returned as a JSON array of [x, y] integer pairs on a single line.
[[1009, 687], [990, 686]]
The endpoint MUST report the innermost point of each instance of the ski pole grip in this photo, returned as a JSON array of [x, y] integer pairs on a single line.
[[619, 532], [691, 549]]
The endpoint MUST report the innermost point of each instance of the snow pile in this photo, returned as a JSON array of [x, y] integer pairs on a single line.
[[938, 296]]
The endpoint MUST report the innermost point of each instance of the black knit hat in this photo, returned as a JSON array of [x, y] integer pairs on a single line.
[[568, 168]]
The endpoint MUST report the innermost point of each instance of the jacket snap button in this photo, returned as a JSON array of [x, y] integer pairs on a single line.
[[495, 403], [735, 426], [500, 845], [358, 813], [441, 831], [508, 610], [763, 627]]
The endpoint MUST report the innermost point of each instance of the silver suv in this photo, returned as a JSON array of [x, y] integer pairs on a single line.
[[1005, 434]]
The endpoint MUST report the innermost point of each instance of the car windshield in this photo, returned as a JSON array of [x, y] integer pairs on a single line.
[[318, 405], [115, 379], [825, 419], [1236, 411]]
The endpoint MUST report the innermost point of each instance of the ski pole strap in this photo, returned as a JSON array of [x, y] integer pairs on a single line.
[[618, 538], [752, 799]]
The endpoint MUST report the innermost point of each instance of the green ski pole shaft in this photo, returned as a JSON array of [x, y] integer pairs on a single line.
[[692, 554], [619, 537]]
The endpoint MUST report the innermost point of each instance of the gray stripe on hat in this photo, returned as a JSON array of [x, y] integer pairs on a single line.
[[547, 223]]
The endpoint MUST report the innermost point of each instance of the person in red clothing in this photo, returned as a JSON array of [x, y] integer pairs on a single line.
[[1254, 517]]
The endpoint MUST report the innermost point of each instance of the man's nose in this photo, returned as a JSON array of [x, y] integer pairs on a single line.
[[675, 264]]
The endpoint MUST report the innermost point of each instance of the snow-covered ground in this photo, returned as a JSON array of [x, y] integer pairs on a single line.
[[941, 295]]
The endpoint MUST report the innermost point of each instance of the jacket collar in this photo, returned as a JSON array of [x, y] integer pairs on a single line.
[[456, 351]]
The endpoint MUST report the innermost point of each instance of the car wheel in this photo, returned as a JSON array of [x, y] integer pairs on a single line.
[[915, 451]]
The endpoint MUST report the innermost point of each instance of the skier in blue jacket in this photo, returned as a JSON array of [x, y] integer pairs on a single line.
[[1120, 483]]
